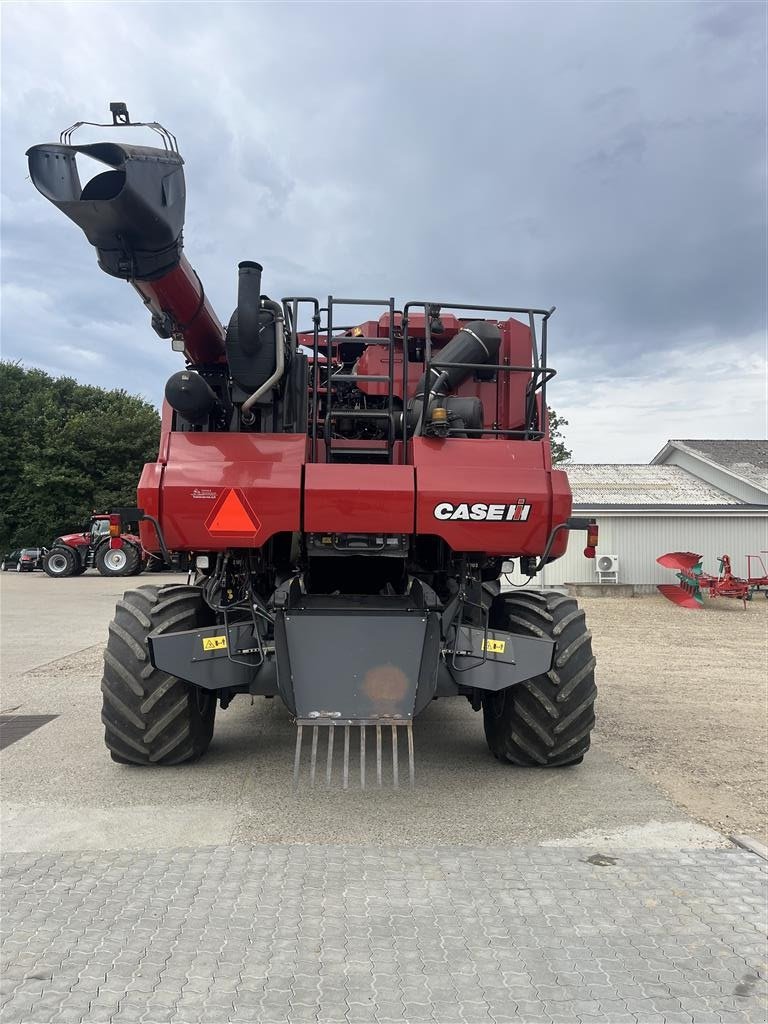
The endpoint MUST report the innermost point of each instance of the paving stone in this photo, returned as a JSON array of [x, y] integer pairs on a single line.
[[351, 935]]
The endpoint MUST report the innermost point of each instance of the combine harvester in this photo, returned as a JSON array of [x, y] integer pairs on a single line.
[[347, 495], [694, 582]]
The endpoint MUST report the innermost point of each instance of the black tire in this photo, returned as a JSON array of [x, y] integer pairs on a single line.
[[140, 562], [124, 561], [61, 562], [151, 717], [81, 568], [545, 721]]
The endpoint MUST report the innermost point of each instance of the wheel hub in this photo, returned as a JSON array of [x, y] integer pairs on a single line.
[[57, 563], [115, 559]]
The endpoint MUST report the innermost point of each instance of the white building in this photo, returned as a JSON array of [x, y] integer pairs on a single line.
[[709, 497]]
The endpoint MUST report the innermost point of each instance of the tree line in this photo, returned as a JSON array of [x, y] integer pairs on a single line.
[[66, 449]]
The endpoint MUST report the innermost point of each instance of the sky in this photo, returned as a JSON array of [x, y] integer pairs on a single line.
[[609, 159]]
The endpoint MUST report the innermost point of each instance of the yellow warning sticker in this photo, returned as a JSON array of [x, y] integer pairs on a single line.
[[214, 643], [494, 646]]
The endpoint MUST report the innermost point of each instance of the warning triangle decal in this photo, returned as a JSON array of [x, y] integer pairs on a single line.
[[232, 516]]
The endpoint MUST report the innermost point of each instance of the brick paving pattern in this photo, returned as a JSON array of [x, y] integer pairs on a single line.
[[353, 935]]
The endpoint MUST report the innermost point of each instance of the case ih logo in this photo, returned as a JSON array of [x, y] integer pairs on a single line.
[[482, 512]]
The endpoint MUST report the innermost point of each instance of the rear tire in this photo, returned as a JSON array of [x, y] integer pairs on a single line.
[[151, 717], [124, 561], [61, 562], [545, 721]]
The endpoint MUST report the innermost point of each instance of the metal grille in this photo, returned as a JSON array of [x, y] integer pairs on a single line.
[[16, 727], [383, 753]]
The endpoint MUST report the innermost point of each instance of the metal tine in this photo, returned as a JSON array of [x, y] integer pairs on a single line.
[[313, 755], [395, 779], [378, 755], [362, 757], [411, 758], [297, 757], [329, 763], [345, 776]]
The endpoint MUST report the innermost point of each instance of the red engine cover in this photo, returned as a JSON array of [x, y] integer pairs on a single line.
[[222, 491], [494, 496], [364, 498]]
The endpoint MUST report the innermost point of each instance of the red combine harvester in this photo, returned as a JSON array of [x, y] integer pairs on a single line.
[[348, 496], [694, 582]]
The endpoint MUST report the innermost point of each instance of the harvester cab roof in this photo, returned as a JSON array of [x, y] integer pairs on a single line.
[[350, 487]]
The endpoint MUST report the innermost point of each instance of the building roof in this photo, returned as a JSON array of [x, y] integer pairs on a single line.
[[746, 460], [596, 484]]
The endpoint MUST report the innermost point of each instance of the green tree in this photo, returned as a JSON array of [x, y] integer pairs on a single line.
[[66, 449], [559, 452]]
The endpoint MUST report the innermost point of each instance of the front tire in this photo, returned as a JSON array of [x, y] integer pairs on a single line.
[[124, 561], [545, 721], [60, 562], [151, 717]]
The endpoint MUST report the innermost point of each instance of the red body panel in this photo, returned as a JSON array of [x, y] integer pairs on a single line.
[[75, 540], [366, 499], [490, 472], [264, 470]]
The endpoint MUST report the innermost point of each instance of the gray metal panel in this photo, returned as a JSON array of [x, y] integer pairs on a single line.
[[182, 654], [354, 666], [517, 658]]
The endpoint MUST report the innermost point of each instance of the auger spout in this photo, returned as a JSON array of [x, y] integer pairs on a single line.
[[133, 214]]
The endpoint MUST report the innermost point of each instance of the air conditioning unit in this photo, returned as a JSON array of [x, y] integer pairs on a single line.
[[607, 568]]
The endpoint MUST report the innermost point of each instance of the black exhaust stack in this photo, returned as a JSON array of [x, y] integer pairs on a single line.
[[249, 305], [251, 341]]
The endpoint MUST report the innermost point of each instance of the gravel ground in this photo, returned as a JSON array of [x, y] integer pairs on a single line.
[[683, 701], [681, 735]]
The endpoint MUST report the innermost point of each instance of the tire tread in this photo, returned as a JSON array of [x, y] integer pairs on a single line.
[[545, 721], [151, 717]]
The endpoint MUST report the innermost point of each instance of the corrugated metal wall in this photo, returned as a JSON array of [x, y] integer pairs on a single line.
[[639, 540]]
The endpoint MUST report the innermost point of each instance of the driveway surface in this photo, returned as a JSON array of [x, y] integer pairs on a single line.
[[212, 892]]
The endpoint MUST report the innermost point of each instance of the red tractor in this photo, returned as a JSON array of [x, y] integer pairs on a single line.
[[103, 545], [348, 496]]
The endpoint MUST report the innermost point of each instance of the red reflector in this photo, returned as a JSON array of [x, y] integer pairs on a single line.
[[232, 516], [589, 552]]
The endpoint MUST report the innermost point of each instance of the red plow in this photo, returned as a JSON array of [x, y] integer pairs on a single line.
[[695, 583]]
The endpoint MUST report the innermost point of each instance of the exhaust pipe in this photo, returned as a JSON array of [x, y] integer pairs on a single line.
[[249, 305], [132, 213]]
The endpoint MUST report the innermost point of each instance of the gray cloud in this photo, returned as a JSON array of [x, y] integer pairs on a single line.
[[606, 158]]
